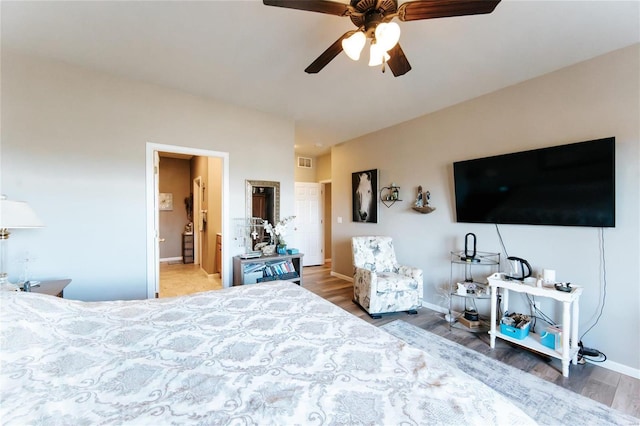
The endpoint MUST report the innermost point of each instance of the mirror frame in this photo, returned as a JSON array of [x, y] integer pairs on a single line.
[[249, 197]]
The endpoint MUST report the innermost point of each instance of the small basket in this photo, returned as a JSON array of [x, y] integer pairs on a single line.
[[516, 333]]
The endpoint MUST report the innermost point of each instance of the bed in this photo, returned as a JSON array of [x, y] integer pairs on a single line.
[[270, 353]]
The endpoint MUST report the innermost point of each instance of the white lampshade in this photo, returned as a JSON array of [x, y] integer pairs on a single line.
[[354, 44], [18, 214], [377, 54], [387, 35]]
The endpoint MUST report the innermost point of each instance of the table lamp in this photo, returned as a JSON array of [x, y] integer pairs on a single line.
[[13, 214]]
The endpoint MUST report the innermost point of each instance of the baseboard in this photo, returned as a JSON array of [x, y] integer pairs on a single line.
[[344, 277], [433, 307], [609, 365], [171, 259], [618, 368]]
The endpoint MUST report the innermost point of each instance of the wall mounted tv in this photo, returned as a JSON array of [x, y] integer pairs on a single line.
[[572, 185]]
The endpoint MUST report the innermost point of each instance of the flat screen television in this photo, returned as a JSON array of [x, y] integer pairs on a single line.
[[569, 185]]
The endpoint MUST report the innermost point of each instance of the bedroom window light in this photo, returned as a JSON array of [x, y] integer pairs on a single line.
[[13, 215]]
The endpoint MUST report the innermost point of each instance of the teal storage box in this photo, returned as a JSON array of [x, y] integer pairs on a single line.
[[293, 251], [552, 338], [516, 333]]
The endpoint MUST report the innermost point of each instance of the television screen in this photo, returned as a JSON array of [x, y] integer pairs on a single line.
[[572, 185]]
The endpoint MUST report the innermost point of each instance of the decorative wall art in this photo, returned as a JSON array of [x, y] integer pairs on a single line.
[[165, 201], [365, 196]]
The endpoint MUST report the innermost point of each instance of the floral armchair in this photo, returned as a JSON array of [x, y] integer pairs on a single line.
[[380, 285]]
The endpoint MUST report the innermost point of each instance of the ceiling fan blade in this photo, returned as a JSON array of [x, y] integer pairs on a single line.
[[322, 6], [429, 9], [398, 63], [328, 55]]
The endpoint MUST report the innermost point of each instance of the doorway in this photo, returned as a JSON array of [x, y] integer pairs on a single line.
[[152, 200], [309, 222]]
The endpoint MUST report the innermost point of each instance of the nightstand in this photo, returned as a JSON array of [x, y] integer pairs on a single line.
[[52, 288]]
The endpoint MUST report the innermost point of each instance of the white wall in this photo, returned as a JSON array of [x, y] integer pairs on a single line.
[[73, 147], [594, 99]]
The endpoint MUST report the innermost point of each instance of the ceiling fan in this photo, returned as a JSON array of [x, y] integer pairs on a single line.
[[373, 19]]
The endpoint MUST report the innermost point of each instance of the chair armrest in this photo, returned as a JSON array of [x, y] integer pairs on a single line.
[[410, 271], [416, 274], [364, 274], [365, 279]]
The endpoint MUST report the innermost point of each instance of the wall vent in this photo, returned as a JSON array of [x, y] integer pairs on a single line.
[[304, 162]]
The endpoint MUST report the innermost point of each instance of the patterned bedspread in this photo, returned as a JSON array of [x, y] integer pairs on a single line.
[[271, 353]]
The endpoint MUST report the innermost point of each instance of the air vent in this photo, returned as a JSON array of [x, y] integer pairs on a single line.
[[304, 162]]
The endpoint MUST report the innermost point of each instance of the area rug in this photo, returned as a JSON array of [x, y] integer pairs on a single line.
[[545, 402]]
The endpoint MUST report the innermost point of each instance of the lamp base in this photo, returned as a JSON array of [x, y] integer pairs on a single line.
[[5, 285]]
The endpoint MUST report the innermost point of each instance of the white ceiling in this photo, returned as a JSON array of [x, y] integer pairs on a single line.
[[248, 54]]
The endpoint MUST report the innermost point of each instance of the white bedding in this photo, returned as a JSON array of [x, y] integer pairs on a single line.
[[271, 353]]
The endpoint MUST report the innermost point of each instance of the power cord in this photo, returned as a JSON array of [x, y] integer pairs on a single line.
[[504, 249], [589, 354]]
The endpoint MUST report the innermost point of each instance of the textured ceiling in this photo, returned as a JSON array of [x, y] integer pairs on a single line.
[[248, 54]]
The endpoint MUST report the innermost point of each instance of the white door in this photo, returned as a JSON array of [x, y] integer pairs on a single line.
[[308, 224], [155, 265]]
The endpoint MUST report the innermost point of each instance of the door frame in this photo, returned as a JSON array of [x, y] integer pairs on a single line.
[[323, 185], [197, 207], [153, 252]]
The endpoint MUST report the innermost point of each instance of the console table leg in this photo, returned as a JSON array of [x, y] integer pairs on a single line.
[[492, 326], [566, 330], [575, 314]]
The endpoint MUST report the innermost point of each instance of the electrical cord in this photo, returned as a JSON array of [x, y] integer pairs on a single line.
[[588, 354], [546, 318], [604, 282], [504, 249]]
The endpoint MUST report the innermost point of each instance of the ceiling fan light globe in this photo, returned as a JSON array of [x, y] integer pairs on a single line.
[[354, 44], [377, 55], [387, 35]]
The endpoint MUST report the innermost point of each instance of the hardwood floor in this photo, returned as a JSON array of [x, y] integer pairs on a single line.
[[608, 387]]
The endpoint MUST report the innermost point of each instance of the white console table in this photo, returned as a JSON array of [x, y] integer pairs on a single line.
[[570, 314]]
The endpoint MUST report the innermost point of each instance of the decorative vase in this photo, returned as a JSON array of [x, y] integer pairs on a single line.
[[282, 249]]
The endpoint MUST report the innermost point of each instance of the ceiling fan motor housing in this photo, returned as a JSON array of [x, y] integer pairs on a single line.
[[372, 12]]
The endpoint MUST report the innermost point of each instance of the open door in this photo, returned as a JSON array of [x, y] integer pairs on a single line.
[[153, 240], [153, 151]]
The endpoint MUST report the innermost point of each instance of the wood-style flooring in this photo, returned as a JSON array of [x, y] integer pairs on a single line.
[[608, 387], [613, 389]]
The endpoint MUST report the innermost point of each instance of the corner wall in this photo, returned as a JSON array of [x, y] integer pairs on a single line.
[[594, 99]]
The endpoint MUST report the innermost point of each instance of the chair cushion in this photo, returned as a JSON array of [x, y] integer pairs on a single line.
[[392, 282]]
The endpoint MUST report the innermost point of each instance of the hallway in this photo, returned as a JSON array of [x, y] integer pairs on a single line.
[[180, 279]]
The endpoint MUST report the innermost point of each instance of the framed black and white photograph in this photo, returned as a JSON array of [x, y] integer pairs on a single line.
[[365, 196]]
